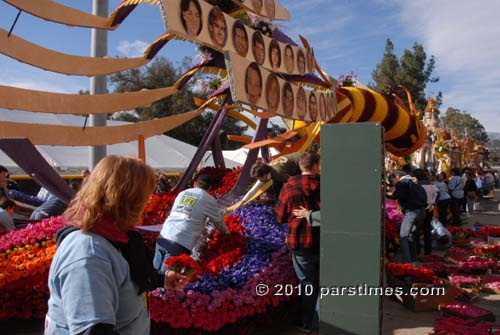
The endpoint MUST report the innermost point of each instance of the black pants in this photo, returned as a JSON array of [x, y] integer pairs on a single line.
[[442, 207], [307, 270], [455, 205], [427, 229]]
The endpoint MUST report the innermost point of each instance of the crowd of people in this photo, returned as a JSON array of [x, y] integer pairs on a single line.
[[293, 188], [426, 198], [99, 240]]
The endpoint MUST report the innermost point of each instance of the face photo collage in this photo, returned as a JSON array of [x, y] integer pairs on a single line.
[[265, 8], [265, 90], [201, 22]]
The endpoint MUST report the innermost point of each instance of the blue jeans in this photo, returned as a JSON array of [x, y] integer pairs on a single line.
[[164, 250], [307, 270], [410, 219], [427, 234]]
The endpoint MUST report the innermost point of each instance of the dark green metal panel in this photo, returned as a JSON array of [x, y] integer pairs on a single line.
[[351, 227]]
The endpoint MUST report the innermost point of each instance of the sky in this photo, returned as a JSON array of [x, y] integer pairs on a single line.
[[347, 35]]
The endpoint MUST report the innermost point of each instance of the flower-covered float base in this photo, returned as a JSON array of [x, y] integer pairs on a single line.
[[393, 219], [273, 321], [465, 271], [457, 326], [221, 298], [226, 289]]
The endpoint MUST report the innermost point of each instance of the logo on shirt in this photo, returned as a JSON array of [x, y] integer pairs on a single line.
[[188, 200]]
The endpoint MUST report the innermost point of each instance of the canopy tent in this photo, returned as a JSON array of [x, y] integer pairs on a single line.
[[240, 155], [163, 153]]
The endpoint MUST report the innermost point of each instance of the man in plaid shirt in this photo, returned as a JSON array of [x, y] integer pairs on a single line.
[[302, 239]]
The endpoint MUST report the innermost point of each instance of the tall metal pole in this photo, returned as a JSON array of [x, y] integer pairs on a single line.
[[98, 84]]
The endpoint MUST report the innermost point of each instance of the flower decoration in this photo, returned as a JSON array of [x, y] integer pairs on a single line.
[[484, 231], [475, 264], [465, 310], [23, 281], [465, 281], [415, 274], [160, 204], [185, 265], [31, 236], [438, 268], [157, 208], [214, 300], [491, 251], [347, 80], [394, 217], [222, 292], [492, 284], [455, 325]]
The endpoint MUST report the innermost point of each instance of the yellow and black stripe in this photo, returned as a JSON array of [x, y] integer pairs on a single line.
[[404, 132]]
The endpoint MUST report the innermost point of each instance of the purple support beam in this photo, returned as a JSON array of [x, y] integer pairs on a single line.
[[217, 155], [242, 182], [266, 155], [27, 157], [212, 131]]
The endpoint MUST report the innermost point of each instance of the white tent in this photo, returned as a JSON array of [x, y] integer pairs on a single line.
[[240, 155], [163, 153]]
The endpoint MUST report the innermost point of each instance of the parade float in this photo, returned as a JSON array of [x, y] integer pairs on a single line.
[[443, 150], [228, 270], [263, 72]]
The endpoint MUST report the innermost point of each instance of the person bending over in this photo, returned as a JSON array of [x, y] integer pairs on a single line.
[[278, 171], [184, 226]]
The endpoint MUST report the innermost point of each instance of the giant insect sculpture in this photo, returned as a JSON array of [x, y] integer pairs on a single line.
[[264, 73]]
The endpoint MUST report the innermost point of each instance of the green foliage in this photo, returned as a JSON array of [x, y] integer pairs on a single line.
[[412, 71], [162, 73], [386, 74], [464, 124]]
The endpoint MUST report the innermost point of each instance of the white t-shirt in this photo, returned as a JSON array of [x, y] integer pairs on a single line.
[[190, 212]]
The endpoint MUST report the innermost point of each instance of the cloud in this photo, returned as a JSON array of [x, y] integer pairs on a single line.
[[36, 85], [131, 48], [54, 84], [463, 36], [17, 74]]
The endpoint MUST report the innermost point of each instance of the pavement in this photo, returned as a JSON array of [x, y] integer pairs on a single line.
[[397, 319]]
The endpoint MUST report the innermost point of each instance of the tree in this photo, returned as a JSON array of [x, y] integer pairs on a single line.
[[412, 71], [162, 73], [494, 147], [386, 74], [464, 124]]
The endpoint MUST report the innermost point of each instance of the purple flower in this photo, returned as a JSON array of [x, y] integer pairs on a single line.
[[264, 237]]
